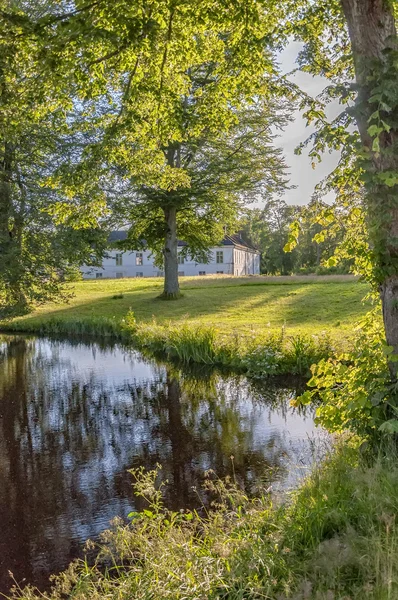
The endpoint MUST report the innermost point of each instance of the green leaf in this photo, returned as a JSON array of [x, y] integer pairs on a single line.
[[376, 145], [387, 350], [377, 398], [304, 399], [133, 515], [389, 427], [374, 130], [375, 115], [332, 261]]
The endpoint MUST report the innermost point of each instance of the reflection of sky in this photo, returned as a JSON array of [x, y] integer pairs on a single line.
[[85, 415], [111, 364]]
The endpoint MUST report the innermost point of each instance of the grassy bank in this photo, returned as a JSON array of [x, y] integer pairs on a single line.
[[335, 538], [305, 305], [259, 325]]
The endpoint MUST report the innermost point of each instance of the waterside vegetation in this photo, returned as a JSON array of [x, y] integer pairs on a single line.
[[335, 537], [262, 326]]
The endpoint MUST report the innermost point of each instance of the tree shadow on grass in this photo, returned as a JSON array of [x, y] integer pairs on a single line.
[[312, 304], [315, 304]]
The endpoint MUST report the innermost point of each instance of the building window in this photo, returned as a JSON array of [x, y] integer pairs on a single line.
[[98, 275], [119, 275], [219, 256], [202, 272], [220, 272], [181, 273], [138, 258], [119, 259], [139, 274], [181, 259]]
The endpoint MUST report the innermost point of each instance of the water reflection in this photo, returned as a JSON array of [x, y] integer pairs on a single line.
[[74, 418]]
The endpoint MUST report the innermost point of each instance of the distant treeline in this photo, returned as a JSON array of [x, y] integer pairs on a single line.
[[268, 230]]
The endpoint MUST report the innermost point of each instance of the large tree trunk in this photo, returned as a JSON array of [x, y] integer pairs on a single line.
[[373, 32], [170, 252], [5, 197], [11, 227]]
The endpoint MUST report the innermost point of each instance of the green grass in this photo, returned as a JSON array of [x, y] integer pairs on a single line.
[[305, 305], [335, 539], [262, 326]]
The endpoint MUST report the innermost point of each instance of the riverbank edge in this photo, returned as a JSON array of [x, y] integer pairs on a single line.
[[257, 355], [336, 536]]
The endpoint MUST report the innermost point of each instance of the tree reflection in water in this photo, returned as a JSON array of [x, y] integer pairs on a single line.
[[74, 418]]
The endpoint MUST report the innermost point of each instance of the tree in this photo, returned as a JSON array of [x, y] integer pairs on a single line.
[[354, 44], [374, 41], [36, 255], [164, 84], [224, 170], [269, 229]]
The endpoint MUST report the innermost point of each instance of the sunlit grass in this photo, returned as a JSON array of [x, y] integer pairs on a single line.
[[300, 304]]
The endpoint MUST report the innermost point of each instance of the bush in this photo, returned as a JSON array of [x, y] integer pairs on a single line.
[[355, 387]]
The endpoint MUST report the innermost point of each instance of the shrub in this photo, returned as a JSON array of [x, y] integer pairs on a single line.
[[354, 387]]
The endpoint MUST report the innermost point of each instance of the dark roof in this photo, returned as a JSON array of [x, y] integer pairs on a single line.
[[229, 240], [237, 240], [117, 236]]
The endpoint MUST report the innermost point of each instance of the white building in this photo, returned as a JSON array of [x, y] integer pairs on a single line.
[[232, 257]]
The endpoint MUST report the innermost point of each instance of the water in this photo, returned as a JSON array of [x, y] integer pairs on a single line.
[[74, 418]]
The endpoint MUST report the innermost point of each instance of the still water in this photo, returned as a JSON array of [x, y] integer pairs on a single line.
[[74, 418]]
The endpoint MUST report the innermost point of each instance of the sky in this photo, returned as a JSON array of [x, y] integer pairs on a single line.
[[302, 175]]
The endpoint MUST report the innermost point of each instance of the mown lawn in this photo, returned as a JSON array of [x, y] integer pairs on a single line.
[[301, 304]]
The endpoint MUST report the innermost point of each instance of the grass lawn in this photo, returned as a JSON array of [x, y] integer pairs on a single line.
[[231, 304]]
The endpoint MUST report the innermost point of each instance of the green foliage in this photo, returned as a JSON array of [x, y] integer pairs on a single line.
[[268, 229], [343, 43], [355, 389], [297, 239], [364, 182], [36, 256], [336, 537]]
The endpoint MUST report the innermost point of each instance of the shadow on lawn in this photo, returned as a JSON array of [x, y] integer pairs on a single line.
[[319, 305], [301, 305]]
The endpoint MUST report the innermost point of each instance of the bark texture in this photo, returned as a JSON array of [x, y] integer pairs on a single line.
[[372, 31], [12, 214], [5, 196], [170, 251]]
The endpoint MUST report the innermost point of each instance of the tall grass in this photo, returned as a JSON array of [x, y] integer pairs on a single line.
[[258, 355], [86, 326], [192, 344], [335, 538]]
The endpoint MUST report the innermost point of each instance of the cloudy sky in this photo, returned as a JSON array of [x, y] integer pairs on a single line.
[[302, 174]]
